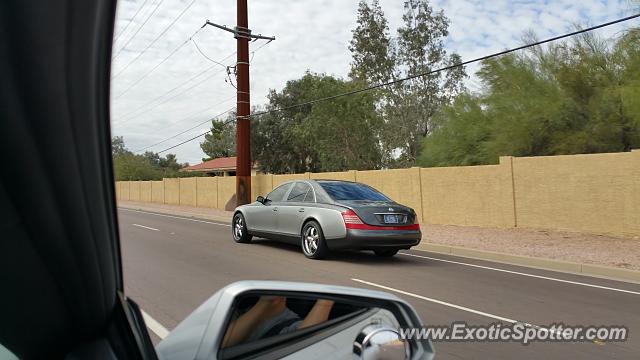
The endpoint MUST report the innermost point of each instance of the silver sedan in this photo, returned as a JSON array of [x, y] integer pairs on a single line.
[[325, 215]]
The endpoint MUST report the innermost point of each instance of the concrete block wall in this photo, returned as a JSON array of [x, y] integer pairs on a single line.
[[593, 193], [598, 193]]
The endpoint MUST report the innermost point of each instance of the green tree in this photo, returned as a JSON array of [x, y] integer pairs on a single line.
[[329, 136], [147, 166], [117, 146], [579, 96], [408, 108], [372, 51], [221, 141]]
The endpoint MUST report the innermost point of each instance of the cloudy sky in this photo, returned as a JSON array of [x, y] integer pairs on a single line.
[[165, 87]]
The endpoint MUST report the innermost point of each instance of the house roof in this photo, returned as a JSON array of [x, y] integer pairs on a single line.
[[226, 163]]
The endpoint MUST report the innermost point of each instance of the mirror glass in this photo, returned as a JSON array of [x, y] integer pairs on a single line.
[[257, 317], [378, 342]]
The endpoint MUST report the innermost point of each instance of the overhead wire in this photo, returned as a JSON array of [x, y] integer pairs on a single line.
[[155, 39], [130, 21], [460, 64], [127, 117], [191, 128], [157, 65], [205, 56], [504, 52], [138, 30]]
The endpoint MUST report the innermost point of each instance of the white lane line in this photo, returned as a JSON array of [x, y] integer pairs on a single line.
[[525, 274], [145, 227], [459, 307], [154, 326], [176, 217]]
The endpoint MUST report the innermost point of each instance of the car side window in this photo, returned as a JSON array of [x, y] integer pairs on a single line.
[[278, 193], [299, 191], [310, 197]]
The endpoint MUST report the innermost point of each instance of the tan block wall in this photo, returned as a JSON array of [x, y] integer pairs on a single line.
[[632, 205], [592, 193], [134, 191], [279, 179], [401, 185], [227, 192], [145, 191], [261, 185], [340, 175], [207, 192], [188, 192], [157, 191], [171, 191], [597, 193], [125, 187], [468, 195]]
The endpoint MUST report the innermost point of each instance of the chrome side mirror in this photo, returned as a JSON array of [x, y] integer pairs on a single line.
[[378, 341], [276, 319]]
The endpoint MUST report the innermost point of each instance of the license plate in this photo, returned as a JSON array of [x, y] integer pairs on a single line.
[[391, 219]]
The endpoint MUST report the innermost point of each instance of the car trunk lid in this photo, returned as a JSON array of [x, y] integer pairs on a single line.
[[381, 213]]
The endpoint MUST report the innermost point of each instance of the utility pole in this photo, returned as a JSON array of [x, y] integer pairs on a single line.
[[243, 108]]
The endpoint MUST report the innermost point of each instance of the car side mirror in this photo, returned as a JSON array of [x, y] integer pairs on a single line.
[[260, 199], [276, 319]]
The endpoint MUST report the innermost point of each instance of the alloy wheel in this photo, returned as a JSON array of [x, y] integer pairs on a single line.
[[238, 227], [310, 240]]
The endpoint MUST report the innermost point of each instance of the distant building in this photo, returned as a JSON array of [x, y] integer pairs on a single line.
[[217, 167]]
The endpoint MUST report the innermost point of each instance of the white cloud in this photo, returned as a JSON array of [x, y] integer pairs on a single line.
[[310, 35]]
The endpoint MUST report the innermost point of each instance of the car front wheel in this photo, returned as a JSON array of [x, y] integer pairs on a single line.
[[239, 229], [313, 244]]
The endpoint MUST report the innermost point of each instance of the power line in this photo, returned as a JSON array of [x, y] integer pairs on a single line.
[[504, 52], [258, 49], [191, 87], [172, 97], [195, 85], [555, 38], [127, 116], [192, 128], [191, 139], [157, 65], [205, 56], [130, 21], [138, 30], [156, 39]]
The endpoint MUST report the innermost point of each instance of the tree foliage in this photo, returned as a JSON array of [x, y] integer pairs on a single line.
[[148, 166], [580, 96], [328, 136], [408, 108], [221, 141]]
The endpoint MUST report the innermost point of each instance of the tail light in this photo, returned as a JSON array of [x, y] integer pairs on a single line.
[[353, 221]]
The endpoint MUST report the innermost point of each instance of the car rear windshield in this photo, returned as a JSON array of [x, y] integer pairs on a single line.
[[352, 191]]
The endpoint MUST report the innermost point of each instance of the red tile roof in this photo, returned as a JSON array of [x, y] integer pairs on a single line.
[[226, 163]]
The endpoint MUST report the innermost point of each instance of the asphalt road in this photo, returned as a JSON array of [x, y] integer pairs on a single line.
[[172, 264]]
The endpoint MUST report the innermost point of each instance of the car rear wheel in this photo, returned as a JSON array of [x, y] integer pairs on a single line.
[[386, 252], [239, 229], [313, 244]]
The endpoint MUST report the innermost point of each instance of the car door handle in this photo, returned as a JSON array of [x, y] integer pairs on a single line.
[[275, 209], [301, 210]]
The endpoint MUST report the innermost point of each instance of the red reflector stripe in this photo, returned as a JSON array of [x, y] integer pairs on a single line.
[[372, 227]]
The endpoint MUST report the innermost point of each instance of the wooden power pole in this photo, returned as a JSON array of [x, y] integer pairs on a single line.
[[243, 109], [243, 126]]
